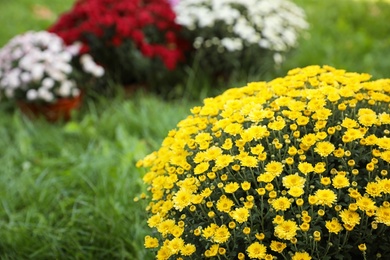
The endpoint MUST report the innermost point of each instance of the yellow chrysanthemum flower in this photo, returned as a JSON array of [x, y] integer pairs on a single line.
[[286, 230], [349, 123], [374, 189], [182, 199], [240, 215], [305, 167], [294, 180], [151, 242], [333, 226], [340, 181], [277, 246], [201, 167], [366, 204], [324, 148], [166, 226], [221, 234], [385, 185], [231, 187], [309, 139], [383, 215], [282, 203], [325, 197], [188, 249], [273, 167], [164, 253], [350, 217], [224, 204], [209, 231], [176, 245], [249, 161], [296, 191], [223, 160], [301, 256], [256, 250]]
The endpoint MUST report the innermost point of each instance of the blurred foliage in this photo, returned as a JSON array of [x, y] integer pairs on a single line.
[[350, 34], [23, 15]]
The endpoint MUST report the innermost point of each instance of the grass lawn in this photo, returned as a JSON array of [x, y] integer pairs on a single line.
[[24, 15], [67, 189], [348, 34]]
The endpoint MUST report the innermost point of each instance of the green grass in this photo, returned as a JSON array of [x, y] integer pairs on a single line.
[[22, 15], [348, 34], [67, 189]]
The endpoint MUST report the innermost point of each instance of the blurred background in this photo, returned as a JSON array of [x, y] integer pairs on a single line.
[[351, 35]]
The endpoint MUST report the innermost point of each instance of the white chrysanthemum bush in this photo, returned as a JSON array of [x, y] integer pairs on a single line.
[[293, 168], [233, 35], [39, 67]]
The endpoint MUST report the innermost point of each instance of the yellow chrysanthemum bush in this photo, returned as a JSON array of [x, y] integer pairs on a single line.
[[294, 168]]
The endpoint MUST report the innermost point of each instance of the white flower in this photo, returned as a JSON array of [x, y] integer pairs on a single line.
[[13, 78], [227, 14], [32, 95], [278, 58], [198, 42], [62, 67], [45, 95], [17, 53], [264, 43], [65, 56], [232, 44], [75, 92], [25, 77], [27, 62], [90, 66], [37, 72], [74, 49], [48, 83], [9, 92], [65, 88], [98, 71], [55, 73], [245, 31], [289, 37], [42, 59], [269, 24]]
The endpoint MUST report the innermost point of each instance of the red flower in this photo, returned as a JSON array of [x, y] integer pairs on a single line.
[[137, 36], [125, 27], [107, 20], [144, 18], [116, 41], [101, 25], [147, 50], [84, 49]]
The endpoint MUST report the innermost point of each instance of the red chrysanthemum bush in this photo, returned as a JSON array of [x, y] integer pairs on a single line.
[[294, 168], [135, 40]]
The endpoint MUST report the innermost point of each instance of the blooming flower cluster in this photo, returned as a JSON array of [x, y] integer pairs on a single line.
[[173, 2], [39, 67], [294, 168], [122, 35], [233, 28]]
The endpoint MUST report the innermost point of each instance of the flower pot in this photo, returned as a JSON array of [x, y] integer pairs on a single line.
[[52, 112], [131, 89]]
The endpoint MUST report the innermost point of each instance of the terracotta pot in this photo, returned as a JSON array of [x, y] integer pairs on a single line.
[[131, 89], [52, 112]]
